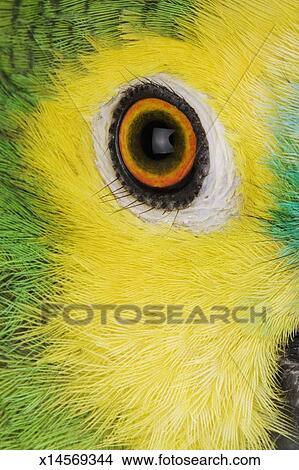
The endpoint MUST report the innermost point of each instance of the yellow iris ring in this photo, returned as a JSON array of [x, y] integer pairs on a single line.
[[149, 178]]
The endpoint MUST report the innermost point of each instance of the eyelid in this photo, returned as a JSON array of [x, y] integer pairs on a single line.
[[217, 201]]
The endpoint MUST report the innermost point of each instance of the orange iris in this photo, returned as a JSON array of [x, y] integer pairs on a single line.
[[165, 171]]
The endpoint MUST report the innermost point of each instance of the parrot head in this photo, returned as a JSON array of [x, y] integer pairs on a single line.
[[150, 197]]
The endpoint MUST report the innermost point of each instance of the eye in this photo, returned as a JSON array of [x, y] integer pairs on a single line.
[[162, 152], [158, 147]]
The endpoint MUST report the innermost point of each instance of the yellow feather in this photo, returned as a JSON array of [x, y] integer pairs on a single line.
[[172, 386]]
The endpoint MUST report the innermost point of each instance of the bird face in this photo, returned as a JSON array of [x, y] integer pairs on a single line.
[[176, 240]]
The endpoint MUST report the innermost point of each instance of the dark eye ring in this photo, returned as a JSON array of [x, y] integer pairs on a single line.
[[159, 149]]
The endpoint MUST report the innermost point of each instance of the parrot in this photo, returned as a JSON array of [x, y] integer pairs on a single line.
[[149, 170]]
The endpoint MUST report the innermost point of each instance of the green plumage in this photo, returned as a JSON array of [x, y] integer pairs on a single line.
[[284, 219]]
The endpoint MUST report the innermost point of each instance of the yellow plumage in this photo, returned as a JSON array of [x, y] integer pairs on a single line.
[[172, 386]]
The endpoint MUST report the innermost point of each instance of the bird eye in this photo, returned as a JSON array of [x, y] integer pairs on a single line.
[[165, 152], [158, 147]]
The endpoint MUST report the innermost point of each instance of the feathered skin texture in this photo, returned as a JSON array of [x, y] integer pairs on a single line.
[[144, 386]]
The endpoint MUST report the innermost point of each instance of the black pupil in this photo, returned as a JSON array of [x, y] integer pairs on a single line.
[[157, 140]]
